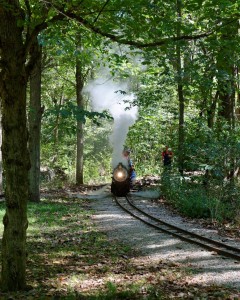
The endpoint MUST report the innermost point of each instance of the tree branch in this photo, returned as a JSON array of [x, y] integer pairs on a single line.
[[105, 4], [41, 27], [121, 40], [118, 38], [61, 15]]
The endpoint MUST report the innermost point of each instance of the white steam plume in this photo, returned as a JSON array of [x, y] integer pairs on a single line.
[[104, 96]]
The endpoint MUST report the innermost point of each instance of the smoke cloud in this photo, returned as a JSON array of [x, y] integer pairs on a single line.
[[104, 96]]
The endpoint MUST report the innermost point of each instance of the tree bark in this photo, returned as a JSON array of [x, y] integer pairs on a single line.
[[34, 122], [57, 122], [1, 177], [226, 73], [227, 55], [13, 81], [212, 111], [181, 130], [80, 104]]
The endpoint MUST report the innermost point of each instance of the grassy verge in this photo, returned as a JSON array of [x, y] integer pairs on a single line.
[[68, 258], [218, 202]]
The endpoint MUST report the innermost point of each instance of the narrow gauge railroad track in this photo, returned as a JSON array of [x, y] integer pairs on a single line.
[[212, 245]]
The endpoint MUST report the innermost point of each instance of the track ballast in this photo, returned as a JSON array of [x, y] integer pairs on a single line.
[[210, 244]]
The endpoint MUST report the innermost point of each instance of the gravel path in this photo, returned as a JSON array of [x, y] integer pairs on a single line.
[[207, 267]]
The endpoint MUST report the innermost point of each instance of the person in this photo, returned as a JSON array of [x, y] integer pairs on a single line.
[[167, 156], [130, 165]]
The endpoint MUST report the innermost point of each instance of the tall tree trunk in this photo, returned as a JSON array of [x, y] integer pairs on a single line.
[[80, 104], [226, 73], [212, 111], [226, 85], [180, 96], [181, 134], [13, 81], [57, 122], [1, 177], [34, 121]]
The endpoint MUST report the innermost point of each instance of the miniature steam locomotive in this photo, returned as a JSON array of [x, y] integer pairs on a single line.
[[121, 181]]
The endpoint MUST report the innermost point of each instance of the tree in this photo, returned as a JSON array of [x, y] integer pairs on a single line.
[[1, 178], [34, 121], [180, 92], [80, 105], [83, 67], [16, 67], [16, 162]]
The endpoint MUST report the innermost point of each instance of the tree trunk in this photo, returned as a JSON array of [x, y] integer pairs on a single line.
[[212, 111], [57, 122], [34, 122], [80, 104], [13, 81], [180, 96], [226, 73], [226, 86], [1, 177], [181, 133]]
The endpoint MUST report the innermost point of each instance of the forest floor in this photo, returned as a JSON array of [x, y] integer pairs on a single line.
[[69, 257]]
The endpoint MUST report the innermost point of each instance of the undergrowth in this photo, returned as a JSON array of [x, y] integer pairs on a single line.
[[193, 198]]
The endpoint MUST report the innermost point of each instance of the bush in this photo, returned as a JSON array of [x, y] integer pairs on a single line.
[[194, 203], [218, 201], [188, 198]]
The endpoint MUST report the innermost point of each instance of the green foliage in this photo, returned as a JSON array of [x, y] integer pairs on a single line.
[[207, 190], [206, 148], [155, 127], [59, 123], [97, 170], [97, 151], [190, 200], [72, 112], [193, 199]]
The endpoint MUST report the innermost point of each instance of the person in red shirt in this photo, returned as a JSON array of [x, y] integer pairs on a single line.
[[167, 155]]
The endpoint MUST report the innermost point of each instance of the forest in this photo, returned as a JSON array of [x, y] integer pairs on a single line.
[[81, 79]]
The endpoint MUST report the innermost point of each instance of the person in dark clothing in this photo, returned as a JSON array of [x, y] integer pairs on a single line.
[[167, 155]]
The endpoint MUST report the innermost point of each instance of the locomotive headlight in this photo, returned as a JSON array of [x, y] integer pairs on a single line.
[[120, 173]]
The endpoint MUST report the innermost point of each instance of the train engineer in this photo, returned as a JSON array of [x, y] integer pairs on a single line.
[[130, 165]]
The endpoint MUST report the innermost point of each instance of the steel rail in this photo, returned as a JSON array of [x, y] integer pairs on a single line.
[[184, 230], [177, 234]]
